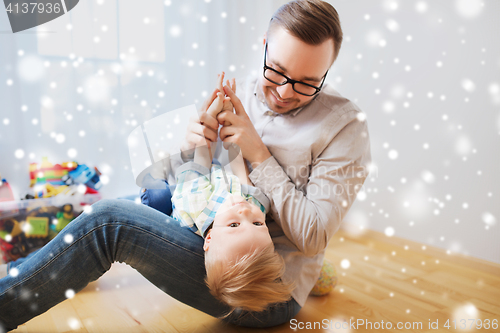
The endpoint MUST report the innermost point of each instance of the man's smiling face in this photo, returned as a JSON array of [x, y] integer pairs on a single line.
[[298, 61]]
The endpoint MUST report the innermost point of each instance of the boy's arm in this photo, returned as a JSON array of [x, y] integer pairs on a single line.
[[202, 153], [239, 166]]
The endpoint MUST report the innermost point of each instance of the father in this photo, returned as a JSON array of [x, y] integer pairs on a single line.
[[309, 151], [308, 147]]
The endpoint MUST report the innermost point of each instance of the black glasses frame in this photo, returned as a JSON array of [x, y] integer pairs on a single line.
[[288, 80]]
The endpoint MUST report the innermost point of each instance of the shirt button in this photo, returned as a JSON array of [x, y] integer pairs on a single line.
[[269, 113]]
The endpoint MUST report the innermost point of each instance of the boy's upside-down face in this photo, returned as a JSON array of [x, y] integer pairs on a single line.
[[239, 228]]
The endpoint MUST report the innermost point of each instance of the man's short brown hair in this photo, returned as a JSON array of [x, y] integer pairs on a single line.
[[312, 21]]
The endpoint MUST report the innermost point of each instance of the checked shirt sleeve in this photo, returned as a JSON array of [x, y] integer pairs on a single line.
[[254, 195], [192, 194]]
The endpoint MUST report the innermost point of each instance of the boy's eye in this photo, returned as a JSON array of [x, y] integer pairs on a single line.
[[234, 225], [258, 223]]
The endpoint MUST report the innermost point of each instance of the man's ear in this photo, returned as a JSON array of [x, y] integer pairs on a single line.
[[264, 40], [208, 239]]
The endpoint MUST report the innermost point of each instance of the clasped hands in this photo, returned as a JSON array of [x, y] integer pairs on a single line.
[[237, 127]]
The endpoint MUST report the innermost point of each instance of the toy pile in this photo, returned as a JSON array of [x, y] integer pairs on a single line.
[[49, 180], [58, 194]]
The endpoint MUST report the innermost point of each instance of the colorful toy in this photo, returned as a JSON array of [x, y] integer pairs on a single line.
[[9, 228], [46, 172], [64, 217], [36, 227], [47, 190], [50, 180], [84, 175], [31, 229], [5, 251], [13, 241], [327, 280], [19, 246], [6, 193]]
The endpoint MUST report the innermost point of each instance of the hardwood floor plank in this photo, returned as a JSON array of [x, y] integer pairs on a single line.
[[66, 318], [487, 308], [463, 285], [43, 324]]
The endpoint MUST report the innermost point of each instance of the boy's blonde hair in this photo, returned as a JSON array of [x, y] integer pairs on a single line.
[[251, 283]]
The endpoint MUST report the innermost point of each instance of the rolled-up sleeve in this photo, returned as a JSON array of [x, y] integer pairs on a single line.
[[255, 194], [311, 217]]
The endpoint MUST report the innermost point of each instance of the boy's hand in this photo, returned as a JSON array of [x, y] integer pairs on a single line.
[[202, 129], [216, 107], [242, 132], [227, 105]]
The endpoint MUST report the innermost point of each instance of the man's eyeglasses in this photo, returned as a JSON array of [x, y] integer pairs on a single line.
[[299, 87]]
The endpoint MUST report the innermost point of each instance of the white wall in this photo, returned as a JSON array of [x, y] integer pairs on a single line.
[[441, 118], [126, 63]]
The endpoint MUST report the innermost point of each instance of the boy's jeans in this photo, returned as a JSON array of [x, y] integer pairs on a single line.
[[168, 255], [158, 199]]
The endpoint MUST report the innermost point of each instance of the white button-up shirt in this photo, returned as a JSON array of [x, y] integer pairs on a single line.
[[320, 160]]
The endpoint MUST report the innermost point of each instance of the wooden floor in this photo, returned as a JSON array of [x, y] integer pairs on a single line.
[[389, 280]]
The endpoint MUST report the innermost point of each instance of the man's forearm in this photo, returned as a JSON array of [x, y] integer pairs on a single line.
[[258, 156]]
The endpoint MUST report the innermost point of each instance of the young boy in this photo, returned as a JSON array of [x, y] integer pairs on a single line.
[[243, 270]]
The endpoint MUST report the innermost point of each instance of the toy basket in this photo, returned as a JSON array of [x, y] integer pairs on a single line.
[[27, 225]]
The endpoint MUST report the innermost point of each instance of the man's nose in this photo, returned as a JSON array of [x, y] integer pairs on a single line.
[[285, 91]]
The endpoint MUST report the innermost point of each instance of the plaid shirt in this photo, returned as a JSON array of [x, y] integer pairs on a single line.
[[200, 192]]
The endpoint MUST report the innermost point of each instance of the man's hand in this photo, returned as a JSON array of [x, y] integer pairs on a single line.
[[242, 132], [202, 130]]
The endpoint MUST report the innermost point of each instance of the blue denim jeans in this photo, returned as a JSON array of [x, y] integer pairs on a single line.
[[156, 245], [158, 199]]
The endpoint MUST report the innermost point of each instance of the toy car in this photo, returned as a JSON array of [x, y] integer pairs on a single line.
[[85, 175]]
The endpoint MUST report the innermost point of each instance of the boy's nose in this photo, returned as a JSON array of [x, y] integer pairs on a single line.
[[244, 210]]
